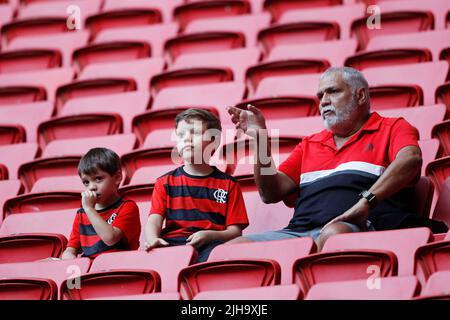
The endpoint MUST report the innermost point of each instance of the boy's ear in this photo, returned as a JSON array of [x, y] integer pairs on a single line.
[[118, 177]]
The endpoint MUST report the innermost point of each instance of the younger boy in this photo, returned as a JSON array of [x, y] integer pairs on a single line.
[[105, 223], [201, 205]]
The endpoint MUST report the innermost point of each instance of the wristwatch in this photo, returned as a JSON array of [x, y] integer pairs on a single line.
[[370, 197]]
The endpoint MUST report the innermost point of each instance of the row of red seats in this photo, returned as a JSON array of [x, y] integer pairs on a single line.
[[345, 257]]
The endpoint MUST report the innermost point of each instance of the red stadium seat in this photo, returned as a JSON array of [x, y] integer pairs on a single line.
[[400, 96], [257, 73], [432, 257], [47, 9], [335, 52], [31, 247], [79, 126], [396, 22], [285, 252], [158, 161], [431, 40], [165, 7], [227, 274], [342, 266], [32, 27], [186, 13], [91, 88], [438, 284], [8, 189], [155, 35], [441, 131], [61, 157], [218, 96], [237, 60], [40, 222], [119, 18], [342, 15], [442, 209], [438, 8], [66, 43], [286, 292], [203, 42], [27, 115], [247, 24], [10, 95], [443, 96], [424, 191], [438, 170], [137, 102], [113, 283], [110, 52], [445, 55], [28, 289], [138, 192], [156, 259], [10, 134], [24, 60], [278, 7], [6, 13], [12, 156], [388, 288], [141, 71], [53, 79], [189, 77], [58, 271], [388, 57], [297, 32], [403, 243], [148, 296]]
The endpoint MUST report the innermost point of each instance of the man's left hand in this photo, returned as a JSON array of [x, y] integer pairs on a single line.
[[357, 215]]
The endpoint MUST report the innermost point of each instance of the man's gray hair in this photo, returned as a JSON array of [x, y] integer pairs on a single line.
[[352, 77]]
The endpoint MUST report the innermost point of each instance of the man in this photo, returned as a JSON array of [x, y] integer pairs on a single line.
[[351, 177]]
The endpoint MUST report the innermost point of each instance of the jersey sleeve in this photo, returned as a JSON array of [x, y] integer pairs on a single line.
[[159, 199], [74, 240], [402, 135], [236, 211], [292, 166], [128, 221]]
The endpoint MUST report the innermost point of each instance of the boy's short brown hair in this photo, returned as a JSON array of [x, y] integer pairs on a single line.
[[207, 117], [99, 158]]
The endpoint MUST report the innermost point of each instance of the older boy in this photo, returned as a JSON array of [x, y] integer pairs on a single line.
[[202, 206]]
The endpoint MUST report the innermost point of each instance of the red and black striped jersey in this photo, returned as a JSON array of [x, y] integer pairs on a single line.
[[193, 203], [122, 214]]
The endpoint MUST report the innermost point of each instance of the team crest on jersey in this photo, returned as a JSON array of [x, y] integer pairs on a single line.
[[112, 218], [220, 195]]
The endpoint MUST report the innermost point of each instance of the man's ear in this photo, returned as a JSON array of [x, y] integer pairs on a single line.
[[361, 97]]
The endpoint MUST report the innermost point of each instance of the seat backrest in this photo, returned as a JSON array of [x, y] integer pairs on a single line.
[[58, 183], [8, 189], [442, 209], [429, 152], [386, 288], [401, 242], [334, 51], [285, 252], [438, 283], [29, 115], [166, 7], [285, 292], [120, 143], [166, 261], [40, 222], [16, 154]]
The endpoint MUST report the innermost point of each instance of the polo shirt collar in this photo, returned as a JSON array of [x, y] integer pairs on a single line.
[[326, 136]]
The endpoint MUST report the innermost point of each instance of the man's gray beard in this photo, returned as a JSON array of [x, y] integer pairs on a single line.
[[341, 119]]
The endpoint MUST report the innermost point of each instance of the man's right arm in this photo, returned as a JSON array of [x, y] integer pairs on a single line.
[[273, 185]]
